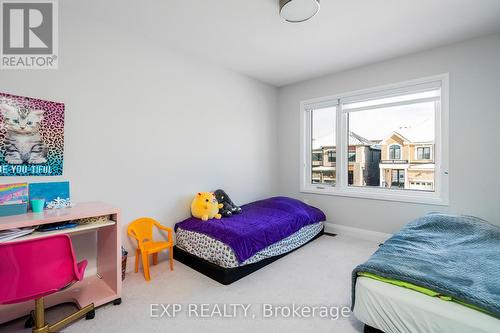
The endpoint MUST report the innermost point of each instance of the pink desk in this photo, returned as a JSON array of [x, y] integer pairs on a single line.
[[102, 288]]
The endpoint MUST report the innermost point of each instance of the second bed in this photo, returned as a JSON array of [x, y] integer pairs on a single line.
[[231, 248]]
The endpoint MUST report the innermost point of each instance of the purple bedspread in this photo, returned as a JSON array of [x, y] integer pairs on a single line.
[[261, 224]]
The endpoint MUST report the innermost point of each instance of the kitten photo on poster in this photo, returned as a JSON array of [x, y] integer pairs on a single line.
[[31, 136], [23, 142]]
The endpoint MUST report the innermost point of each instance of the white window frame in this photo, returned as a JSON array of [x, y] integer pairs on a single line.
[[440, 152]]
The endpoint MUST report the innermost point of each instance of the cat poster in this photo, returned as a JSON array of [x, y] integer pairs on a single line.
[[31, 136]]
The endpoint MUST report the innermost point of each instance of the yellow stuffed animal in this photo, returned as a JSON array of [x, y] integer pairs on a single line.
[[205, 206]]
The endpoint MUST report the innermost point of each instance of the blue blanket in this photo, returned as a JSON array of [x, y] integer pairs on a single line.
[[456, 256], [260, 224]]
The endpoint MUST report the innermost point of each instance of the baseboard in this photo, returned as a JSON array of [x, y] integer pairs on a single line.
[[370, 235]]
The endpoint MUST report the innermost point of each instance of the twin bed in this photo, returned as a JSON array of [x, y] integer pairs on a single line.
[[440, 273], [228, 249], [394, 309]]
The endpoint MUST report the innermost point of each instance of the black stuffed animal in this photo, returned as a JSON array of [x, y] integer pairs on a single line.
[[228, 206]]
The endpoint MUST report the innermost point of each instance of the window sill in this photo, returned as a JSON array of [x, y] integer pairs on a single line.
[[419, 197]]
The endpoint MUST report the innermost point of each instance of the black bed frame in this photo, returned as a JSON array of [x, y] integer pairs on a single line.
[[369, 329], [226, 275]]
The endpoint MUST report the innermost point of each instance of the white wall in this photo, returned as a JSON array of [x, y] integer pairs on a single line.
[[147, 128], [474, 68]]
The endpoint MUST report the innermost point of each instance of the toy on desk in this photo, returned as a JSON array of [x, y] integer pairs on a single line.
[[142, 231], [205, 206], [58, 203]]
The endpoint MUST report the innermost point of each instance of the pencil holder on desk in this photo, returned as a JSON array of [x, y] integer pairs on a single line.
[[37, 205]]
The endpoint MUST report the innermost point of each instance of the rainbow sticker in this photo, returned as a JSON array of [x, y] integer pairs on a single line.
[[13, 193]]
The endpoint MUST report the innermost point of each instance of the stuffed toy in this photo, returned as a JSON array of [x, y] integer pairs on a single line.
[[228, 207], [205, 206]]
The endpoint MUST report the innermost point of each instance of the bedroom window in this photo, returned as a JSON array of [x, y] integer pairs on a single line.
[[321, 143], [386, 143]]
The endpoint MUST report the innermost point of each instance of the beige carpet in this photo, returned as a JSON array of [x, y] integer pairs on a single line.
[[319, 274]]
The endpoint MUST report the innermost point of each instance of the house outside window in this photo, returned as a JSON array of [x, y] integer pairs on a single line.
[[386, 143], [322, 141]]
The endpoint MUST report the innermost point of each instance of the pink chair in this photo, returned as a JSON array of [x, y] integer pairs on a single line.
[[32, 269]]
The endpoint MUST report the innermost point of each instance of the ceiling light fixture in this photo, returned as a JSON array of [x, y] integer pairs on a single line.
[[298, 10]]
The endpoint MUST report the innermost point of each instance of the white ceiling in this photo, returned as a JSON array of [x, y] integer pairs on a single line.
[[249, 36]]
